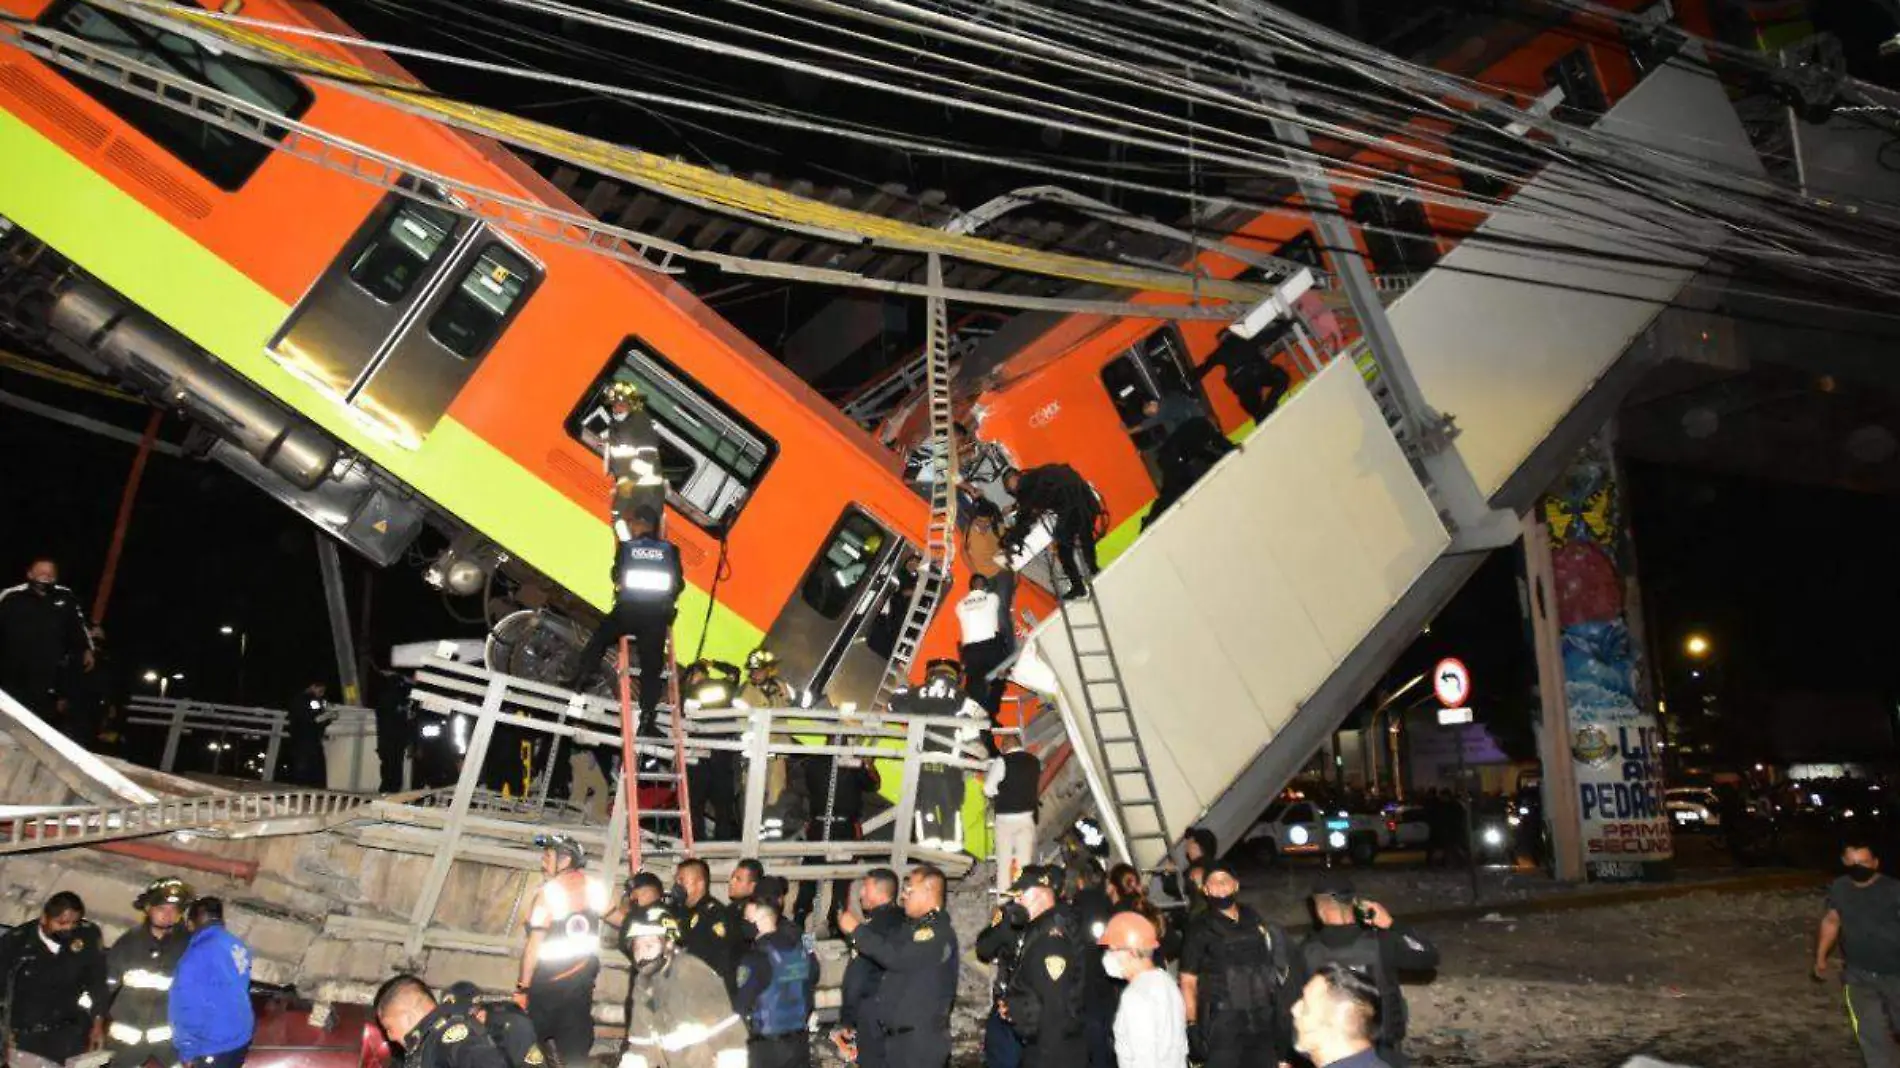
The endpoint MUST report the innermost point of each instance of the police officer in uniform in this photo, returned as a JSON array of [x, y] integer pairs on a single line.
[[940, 786], [509, 1028], [647, 582], [52, 985], [860, 1033], [778, 985], [706, 925], [562, 958], [1058, 491], [1235, 968], [678, 1012], [42, 630], [1361, 935], [920, 972], [997, 946], [432, 1035], [1044, 1000], [139, 970]]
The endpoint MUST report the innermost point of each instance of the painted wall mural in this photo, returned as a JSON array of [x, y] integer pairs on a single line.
[[1614, 739]]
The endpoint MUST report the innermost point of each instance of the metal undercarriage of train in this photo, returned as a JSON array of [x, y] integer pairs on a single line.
[[398, 313]]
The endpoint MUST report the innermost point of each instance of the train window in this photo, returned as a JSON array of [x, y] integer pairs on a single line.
[[475, 310], [712, 457], [1576, 75], [840, 572], [1154, 367], [225, 158], [1389, 223], [398, 257]]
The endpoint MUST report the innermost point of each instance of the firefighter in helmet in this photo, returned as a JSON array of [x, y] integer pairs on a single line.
[[562, 957], [679, 1014], [940, 785], [631, 453], [709, 688], [139, 970]]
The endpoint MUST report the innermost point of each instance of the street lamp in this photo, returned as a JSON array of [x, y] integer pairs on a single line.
[[1697, 646], [244, 642], [163, 681]]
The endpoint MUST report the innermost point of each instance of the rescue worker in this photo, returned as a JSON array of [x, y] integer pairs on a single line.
[[210, 1007], [778, 988], [1234, 972], [1043, 1003], [705, 923], [1336, 1018], [764, 686], [940, 791], [647, 582], [139, 971], [1089, 908], [42, 630], [1056, 491], [504, 1022], [747, 878], [843, 783], [643, 891], [1363, 936], [860, 1033], [920, 972], [983, 647], [562, 957], [983, 552], [1150, 1017], [309, 714], [631, 453], [712, 778], [679, 1014], [52, 985], [997, 946], [1013, 784], [432, 1035], [1254, 379]]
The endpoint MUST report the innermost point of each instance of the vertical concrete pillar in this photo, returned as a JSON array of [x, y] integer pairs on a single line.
[[1553, 736], [1609, 729]]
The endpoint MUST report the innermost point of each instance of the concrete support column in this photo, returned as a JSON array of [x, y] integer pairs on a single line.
[[1605, 734]]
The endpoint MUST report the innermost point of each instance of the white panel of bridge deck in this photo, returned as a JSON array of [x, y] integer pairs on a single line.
[[1510, 341], [1243, 599]]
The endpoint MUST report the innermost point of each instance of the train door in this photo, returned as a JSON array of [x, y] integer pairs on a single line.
[[836, 633], [1155, 368], [399, 322]]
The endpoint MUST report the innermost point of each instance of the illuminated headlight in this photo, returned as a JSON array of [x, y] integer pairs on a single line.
[[1336, 839], [1493, 836], [1297, 835], [1513, 820]]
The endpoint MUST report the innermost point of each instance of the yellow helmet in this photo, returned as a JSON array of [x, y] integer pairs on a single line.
[[624, 392], [761, 659]]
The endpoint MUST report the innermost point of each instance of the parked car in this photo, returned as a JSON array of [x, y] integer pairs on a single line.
[[1406, 827], [1306, 828], [286, 1037], [1693, 808]]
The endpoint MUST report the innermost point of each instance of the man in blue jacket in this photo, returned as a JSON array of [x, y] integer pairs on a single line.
[[211, 1013]]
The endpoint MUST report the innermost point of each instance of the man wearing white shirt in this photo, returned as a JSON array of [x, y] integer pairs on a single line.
[[1151, 1018], [985, 645], [1012, 783]]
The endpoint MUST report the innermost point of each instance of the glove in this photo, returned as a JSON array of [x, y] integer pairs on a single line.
[[1197, 1044]]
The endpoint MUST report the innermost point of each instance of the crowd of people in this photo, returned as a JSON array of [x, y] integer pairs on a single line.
[[174, 990]]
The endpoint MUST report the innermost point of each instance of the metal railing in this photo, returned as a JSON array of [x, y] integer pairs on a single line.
[[348, 727], [235, 815]]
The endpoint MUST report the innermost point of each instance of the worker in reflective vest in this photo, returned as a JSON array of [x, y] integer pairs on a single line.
[[563, 953], [939, 813], [632, 453], [678, 1013], [139, 970], [647, 582]]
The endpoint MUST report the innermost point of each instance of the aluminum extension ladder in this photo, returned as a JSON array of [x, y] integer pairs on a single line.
[[940, 538], [1124, 771]]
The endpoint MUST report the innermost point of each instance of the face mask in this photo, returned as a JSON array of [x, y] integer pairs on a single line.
[[676, 897], [1112, 964], [749, 929], [1860, 873], [1219, 904], [649, 965], [62, 937], [40, 587]]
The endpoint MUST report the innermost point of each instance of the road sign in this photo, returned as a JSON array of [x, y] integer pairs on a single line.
[[1451, 680], [1448, 717]]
